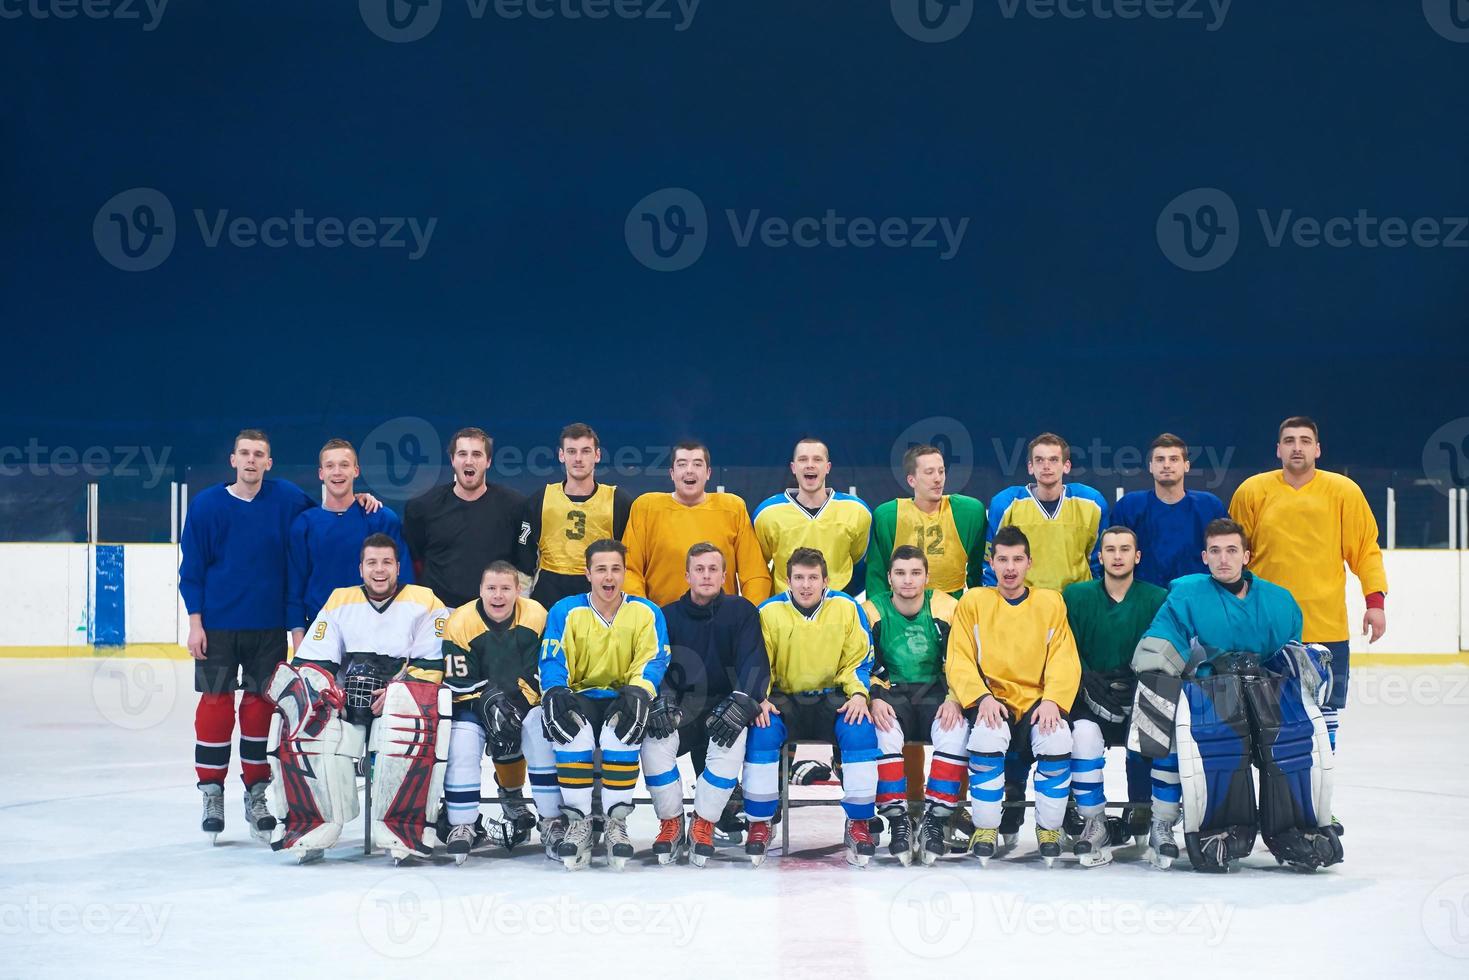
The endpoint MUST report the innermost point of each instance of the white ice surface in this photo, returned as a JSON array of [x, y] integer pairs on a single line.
[[104, 872]]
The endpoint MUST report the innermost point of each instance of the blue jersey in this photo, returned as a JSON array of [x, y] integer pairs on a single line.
[[326, 553], [1200, 612], [1170, 536]]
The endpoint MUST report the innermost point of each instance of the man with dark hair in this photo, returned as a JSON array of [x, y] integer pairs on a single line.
[[717, 677], [325, 541], [949, 528], [1012, 666], [455, 530], [1223, 681], [910, 633], [1168, 520], [1107, 617], [821, 666], [813, 515], [662, 526], [1060, 520], [603, 656], [233, 582], [558, 520], [1307, 525]]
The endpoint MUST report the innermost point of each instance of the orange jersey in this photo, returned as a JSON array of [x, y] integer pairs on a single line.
[[660, 531]]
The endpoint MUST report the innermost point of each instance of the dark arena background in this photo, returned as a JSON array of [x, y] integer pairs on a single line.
[[879, 222]]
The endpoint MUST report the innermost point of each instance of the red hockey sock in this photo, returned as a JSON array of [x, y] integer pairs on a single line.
[[255, 714], [892, 784], [214, 723], [946, 776]]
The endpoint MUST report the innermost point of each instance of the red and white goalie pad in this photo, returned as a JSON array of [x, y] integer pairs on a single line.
[[313, 758], [411, 745]]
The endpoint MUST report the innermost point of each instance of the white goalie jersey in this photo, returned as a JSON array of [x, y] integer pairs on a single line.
[[410, 627]]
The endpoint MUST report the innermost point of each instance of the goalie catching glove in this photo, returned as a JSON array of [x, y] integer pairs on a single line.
[[730, 717], [501, 717], [629, 714], [559, 715]]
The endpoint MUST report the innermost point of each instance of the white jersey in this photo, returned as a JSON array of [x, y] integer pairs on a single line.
[[409, 628]]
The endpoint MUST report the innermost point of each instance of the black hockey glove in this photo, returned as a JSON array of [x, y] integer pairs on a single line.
[[629, 714], [501, 717], [664, 717], [559, 715], [730, 717], [1109, 695]]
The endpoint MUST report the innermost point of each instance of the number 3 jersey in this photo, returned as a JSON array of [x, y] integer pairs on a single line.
[[481, 654], [555, 530], [408, 626]]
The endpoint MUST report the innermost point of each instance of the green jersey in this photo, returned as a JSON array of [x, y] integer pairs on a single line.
[[1107, 632], [909, 649], [951, 538]]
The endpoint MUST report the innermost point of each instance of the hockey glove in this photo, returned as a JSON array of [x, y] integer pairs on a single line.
[[559, 715], [1109, 695], [730, 717], [629, 714], [664, 717], [501, 717]]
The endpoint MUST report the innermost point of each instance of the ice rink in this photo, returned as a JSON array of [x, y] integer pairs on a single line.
[[105, 872]]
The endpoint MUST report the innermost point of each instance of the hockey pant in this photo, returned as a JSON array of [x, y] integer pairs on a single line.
[[1225, 723], [813, 716], [987, 750], [717, 778]]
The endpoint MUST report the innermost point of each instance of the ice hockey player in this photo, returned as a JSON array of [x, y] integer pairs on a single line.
[[491, 648], [603, 656], [821, 668], [1222, 676], [372, 657], [1107, 618], [910, 632], [1012, 664], [718, 675]]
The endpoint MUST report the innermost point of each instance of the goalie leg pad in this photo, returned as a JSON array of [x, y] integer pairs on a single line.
[[314, 789], [411, 744], [1154, 710], [1212, 736], [1293, 753]]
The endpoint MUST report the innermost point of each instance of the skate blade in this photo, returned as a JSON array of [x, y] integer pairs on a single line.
[[1094, 860], [577, 862], [1050, 861], [928, 858], [756, 860], [984, 860], [857, 860], [459, 859], [667, 857], [905, 858], [1159, 861], [616, 863], [310, 856], [698, 860], [213, 840]]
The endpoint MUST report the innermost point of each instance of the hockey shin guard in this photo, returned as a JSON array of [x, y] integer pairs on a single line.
[[660, 771], [462, 779], [214, 723], [255, 714], [719, 777], [858, 747], [760, 782], [1088, 753]]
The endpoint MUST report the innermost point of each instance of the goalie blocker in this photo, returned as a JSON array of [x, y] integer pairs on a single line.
[[314, 752]]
